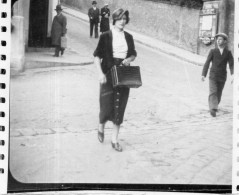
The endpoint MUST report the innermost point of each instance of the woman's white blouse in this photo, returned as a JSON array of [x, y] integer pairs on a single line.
[[120, 46]]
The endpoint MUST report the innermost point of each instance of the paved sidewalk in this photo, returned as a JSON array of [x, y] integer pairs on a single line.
[[150, 42], [44, 59], [166, 140]]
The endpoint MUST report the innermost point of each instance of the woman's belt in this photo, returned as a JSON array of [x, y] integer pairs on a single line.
[[117, 61]]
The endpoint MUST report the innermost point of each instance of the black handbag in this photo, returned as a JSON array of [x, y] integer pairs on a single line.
[[126, 76]]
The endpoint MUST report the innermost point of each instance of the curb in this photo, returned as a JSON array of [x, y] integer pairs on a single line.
[[83, 20], [31, 64], [169, 53]]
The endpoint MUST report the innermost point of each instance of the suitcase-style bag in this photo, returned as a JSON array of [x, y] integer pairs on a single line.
[[63, 42], [126, 76]]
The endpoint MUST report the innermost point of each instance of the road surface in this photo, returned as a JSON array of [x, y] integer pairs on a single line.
[[167, 136]]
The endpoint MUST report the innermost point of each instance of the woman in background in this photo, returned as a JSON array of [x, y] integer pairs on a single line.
[[105, 22]]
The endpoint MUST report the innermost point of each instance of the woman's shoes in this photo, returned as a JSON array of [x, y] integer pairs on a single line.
[[117, 147], [101, 136]]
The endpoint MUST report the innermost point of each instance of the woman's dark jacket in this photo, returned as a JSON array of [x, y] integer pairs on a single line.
[[104, 49]]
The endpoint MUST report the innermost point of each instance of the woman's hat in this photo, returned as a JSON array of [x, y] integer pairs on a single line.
[[118, 13], [94, 2], [221, 35], [58, 7]]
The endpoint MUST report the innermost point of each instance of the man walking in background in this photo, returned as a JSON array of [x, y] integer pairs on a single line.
[[219, 57], [94, 14], [58, 30]]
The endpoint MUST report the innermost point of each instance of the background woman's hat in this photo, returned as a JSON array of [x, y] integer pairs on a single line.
[[221, 35], [58, 7], [94, 2], [118, 13]]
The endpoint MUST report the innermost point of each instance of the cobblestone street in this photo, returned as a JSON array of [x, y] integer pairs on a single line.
[[168, 135]]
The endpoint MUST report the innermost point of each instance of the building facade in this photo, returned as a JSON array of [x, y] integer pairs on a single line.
[[31, 21]]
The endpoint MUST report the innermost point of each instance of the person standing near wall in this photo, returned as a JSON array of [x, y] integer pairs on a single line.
[[219, 57], [105, 22], [94, 16], [58, 30]]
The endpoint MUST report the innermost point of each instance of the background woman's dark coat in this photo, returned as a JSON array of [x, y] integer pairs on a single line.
[[105, 22], [58, 29]]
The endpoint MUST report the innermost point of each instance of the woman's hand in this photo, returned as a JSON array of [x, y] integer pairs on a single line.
[[102, 78], [126, 62]]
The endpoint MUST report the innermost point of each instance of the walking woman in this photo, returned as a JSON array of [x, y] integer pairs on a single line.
[[115, 47]]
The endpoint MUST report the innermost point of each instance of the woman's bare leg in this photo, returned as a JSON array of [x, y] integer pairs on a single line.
[[101, 127], [115, 133]]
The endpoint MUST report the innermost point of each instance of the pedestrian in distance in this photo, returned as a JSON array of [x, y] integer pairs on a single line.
[[115, 47], [94, 17], [58, 30], [218, 57], [105, 22]]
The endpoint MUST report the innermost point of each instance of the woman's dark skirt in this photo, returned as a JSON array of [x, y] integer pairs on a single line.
[[113, 101]]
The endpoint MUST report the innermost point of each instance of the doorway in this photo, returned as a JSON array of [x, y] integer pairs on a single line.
[[38, 20]]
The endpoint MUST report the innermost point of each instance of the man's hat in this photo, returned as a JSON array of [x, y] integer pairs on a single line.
[[221, 35], [94, 2], [58, 7]]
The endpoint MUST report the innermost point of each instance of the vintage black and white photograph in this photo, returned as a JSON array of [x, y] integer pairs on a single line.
[[122, 91]]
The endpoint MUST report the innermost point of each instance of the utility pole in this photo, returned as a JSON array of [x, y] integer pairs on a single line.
[[223, 16]]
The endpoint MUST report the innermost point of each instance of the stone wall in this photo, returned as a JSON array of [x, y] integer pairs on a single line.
[[21, 8], [230, 24], [172, 24]]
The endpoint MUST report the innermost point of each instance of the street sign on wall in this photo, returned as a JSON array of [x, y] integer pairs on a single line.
[[208, 21]]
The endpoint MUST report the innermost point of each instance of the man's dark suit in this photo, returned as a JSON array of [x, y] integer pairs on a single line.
[[94, 20], [218, 74], [57, 31]]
